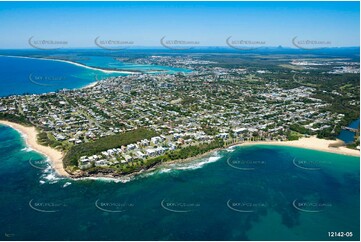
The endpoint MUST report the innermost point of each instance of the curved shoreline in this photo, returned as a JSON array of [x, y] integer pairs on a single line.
[[30, 137], [311, 143], [56, 157], [73, 63]]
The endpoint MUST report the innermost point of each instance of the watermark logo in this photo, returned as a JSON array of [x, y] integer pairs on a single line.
[[310, 206], [45, 80], [113, 207], [8, 235], [46, 44], [38, 164], [244, 44], [309, 165], [97, 79], [46, 207], [179, 207], [245, 206], [245, 165], [109, 44], [178, 44], [310, 44], [103, 77]]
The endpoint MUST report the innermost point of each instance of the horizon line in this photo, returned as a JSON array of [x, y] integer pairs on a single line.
[[190, 48]]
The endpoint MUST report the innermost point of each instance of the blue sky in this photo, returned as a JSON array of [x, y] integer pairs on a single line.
[[209, 23]]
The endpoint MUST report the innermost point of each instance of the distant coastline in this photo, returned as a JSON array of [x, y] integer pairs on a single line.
[[74, 63], [56, 157]]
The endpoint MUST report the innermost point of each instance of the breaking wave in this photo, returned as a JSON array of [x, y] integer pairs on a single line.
[[106, 179], [49, 175], [27, 149], [231, 148], [197, 165], [193, 165]]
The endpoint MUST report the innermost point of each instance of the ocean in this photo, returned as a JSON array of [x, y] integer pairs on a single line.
[[37, 76], [255, 192], [242, 193], [110, 62]]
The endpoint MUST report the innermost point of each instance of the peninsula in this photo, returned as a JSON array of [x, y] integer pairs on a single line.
[[127, 124]]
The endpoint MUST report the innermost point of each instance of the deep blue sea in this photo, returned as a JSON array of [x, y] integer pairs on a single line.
[[36, 76], [246, 193]]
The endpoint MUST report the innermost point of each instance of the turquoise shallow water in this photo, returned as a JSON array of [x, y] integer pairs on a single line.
[[245, 193], [36, 76], [112, 63]]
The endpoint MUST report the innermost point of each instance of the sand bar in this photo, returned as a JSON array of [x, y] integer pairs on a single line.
[[30, 135], [75, 63]]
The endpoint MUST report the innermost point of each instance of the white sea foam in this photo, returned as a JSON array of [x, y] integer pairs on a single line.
[[27, 149], [197, 165], [165, 170], [230, 149], [23, 136], [50, 176], [148, 174], [106, 179], [48, 169]]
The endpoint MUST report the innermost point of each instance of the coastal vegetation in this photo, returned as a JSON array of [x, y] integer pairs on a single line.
[[105, 143], [45, 138], [172, 155], [292, 135], [128, 123], [191, 151], [16, 118]]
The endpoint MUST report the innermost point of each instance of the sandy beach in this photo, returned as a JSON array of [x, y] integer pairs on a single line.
[[55, 156], [312, 143], [30, 135], [93, 84], [92, 68]]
